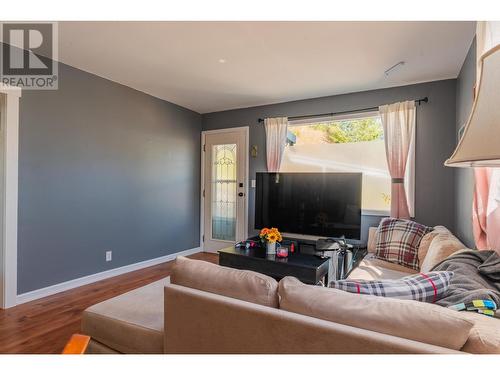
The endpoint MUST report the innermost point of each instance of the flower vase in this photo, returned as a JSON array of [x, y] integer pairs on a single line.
[[271, 248]]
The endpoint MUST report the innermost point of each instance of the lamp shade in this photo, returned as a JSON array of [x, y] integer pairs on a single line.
[[480, 142]]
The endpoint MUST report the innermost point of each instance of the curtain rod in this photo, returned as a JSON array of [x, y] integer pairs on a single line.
[[418, 101]]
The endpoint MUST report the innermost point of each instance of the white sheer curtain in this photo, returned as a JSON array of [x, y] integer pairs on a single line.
[[398, 120], [276, 131]]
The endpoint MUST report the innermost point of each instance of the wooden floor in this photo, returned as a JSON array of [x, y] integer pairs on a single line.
[[44, 325]]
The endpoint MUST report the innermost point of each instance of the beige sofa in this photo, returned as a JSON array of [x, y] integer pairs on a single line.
[[212, 309]]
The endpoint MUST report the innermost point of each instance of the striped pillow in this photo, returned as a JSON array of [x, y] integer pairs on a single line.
[[398, 241], [424, 287]]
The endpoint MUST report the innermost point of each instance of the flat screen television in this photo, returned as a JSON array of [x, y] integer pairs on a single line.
[[317, 204]]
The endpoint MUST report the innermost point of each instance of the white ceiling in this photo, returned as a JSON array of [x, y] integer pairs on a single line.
[[265, 62]]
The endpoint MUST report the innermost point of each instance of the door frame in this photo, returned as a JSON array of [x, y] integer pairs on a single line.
[[246, 132], [9, 104]]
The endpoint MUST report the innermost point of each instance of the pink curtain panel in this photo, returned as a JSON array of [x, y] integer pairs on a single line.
[[486, 209]]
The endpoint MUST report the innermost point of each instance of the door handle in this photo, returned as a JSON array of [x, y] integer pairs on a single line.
[[241, 194]]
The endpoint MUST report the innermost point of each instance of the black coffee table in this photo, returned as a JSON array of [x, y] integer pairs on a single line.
[[309, 269]]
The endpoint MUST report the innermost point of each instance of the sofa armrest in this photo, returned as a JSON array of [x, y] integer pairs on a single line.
[[198, 322]]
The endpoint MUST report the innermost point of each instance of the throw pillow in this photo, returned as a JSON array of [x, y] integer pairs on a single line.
[[443, 245], [398, 241], [424, 287], [426, 242]]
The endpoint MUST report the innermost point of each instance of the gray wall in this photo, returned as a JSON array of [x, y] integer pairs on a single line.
[[435, 140], [103, 166], [464, 179]]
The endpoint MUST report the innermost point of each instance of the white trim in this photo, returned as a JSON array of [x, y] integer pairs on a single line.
[[10, 90], [246, 130], [8, 248], [375, 213], [2, 202], [247, 177], [225, 130], [75, 283], [202, 187]]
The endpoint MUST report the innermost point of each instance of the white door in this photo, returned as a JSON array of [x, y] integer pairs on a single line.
[[224, 188]]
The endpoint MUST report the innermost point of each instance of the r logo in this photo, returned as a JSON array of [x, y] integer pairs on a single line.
[[28, 55], [27, 49]]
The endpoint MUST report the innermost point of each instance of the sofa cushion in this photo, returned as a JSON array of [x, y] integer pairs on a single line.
[[131, 322], [412, 320], [428, 287], [441, 247], [371, 268], [244, 285], [484, 337], [398, 241]]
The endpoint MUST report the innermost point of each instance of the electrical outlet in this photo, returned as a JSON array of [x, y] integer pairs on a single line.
[[252, 183], [109, 255]]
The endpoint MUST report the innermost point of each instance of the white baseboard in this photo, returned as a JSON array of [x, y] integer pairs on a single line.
[[75, 283]]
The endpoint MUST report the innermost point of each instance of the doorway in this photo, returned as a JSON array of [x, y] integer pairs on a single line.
[[9, 147], [224, 180]]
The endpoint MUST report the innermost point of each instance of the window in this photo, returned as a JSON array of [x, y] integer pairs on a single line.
[[352, 143], [224, 192]]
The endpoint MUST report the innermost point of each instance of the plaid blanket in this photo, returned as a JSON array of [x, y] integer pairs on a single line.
[[425, 287], [398, 241]]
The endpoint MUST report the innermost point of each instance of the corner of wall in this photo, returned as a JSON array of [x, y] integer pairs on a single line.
[[463, 177]]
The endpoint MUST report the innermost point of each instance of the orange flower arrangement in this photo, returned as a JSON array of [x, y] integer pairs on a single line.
[[270, 235]]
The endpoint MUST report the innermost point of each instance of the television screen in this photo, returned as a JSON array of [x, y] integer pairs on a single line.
[[318, 204]]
